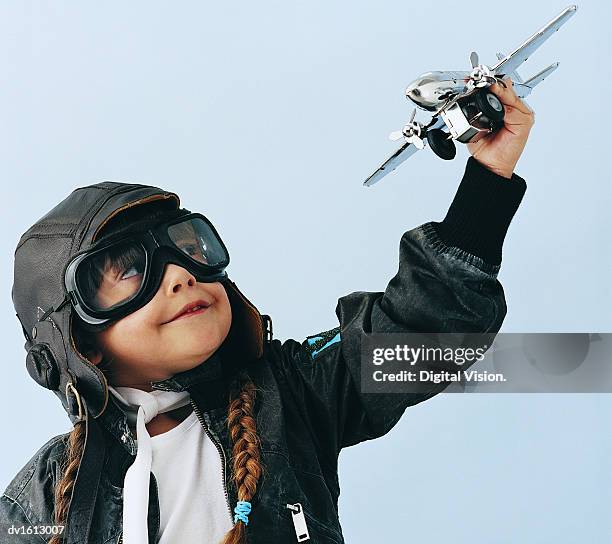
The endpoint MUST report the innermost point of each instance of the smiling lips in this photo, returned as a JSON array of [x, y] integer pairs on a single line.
[[193, 308]]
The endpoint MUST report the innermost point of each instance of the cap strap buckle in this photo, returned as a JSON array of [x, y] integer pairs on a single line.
[[267, 322], [70, 386]]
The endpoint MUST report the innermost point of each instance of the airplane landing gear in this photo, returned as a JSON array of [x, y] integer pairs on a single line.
[[490, 106], [441, 144]]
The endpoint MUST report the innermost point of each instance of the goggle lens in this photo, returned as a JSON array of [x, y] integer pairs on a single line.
[[111, 277], [195, 238]]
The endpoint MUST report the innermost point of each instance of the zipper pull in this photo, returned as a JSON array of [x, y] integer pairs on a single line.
[[299, 522]]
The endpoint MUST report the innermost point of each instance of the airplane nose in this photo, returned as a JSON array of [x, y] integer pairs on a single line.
[[412, 92], [413, 89]]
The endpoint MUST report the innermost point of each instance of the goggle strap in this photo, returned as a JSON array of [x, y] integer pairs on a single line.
[[52, 309]]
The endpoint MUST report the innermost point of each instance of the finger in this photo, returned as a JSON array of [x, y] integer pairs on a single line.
[[529, 108], [514, 116], [508, 95]]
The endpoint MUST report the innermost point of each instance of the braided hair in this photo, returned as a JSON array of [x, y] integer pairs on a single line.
[[246, 457], [69, 467]]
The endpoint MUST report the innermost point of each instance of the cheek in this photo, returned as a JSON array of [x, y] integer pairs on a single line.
[[218, 323], [141, 322], [227, 319], [119, 338], [225, 310]]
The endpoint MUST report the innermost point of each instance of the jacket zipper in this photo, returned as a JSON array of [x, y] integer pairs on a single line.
[[299, 522], [221, 452]]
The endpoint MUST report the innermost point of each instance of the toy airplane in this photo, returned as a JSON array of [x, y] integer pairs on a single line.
[[461, 102]]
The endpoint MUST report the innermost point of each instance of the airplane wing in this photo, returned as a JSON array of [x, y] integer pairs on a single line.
[[513, 75], [403, 153], [521, 89], [512, 61], [524, 88], [541, 76]]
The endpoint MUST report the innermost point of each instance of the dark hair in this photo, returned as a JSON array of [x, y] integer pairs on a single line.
[[117, 258], [246, 458]]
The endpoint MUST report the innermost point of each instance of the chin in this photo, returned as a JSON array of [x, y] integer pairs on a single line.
[[198, 357]]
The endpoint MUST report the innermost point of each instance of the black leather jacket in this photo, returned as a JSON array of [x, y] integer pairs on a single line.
[[309, 400]]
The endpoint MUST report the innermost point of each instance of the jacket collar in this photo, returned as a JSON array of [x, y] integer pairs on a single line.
[[211, 369], [208, 383]]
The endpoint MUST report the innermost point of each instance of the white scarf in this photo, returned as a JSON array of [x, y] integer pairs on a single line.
[[141, 407]]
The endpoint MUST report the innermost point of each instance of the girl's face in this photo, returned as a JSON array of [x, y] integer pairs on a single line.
[[149, 345]]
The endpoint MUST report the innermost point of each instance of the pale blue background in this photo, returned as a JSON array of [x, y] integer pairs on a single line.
[[267, 116]]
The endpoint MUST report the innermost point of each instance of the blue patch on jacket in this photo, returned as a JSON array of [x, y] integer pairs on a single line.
[[321, 341]]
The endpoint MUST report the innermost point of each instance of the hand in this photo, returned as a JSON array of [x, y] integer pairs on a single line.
[[500, 151]]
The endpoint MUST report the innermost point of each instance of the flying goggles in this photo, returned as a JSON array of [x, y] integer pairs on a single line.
[[123, 272]]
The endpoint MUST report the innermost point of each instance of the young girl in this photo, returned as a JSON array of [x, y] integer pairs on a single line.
[[191, 424]]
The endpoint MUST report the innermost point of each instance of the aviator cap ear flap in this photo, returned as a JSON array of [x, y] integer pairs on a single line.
[[41, 365], [40, 361]]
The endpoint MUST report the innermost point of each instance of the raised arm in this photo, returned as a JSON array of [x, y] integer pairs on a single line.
[[446, 282]]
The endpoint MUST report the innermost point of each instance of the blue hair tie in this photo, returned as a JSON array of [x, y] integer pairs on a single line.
[[242, 510]]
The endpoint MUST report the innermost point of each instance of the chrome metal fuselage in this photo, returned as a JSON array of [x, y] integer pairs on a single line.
[[430, 90]]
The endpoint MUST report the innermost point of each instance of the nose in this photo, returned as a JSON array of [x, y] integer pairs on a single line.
[[177, 278]]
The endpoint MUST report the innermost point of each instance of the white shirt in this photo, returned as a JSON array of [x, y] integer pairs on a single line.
[[192, 503]]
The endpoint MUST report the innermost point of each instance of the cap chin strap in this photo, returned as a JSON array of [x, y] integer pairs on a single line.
[[85, 490]]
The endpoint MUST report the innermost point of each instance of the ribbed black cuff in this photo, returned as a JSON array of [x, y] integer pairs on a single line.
[[480, 214]]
